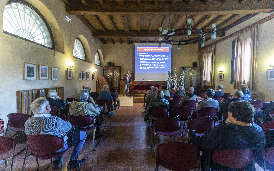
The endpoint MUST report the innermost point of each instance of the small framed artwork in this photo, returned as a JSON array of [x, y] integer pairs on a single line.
[[87, 75], [80, 75], [84, 75], [69, 74], [43, 72], [270, 74], [221, 76], [54, 73], [29, 71]]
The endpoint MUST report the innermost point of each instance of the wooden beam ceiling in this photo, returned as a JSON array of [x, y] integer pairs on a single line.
[[123, 34]]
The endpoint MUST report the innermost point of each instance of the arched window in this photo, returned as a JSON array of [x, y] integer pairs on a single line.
[[22, 20], [78, 50], [97, 59]]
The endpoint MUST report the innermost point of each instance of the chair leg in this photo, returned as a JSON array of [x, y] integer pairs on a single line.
[[12, 159], [7, 129], [25, 158], [46, 167], [37, 169], [93, 135], [62, 163], [156, 169]]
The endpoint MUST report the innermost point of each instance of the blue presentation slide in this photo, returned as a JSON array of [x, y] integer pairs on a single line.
[[152, 59]]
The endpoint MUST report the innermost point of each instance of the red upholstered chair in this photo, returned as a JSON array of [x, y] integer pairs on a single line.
[[202, 95], [189, 103], [268, 126], [173, 104], [7, 148], [208, 112], [17, 122], [177, 98], [177, 156], [166, 126], [85, 123], [55, 111], [167, 97], [201, 125], [258, 104], [158, 111], [45, 147], [171, 95], [182, 112], [268, 156], [233, 158]]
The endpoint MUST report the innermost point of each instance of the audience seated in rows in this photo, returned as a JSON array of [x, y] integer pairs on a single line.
[[180, 92], [246, 94], [43, 123], [159, 100], [208, 101], [237, 95], [189, 96], [104, 94], [151, 94], [115, 94], [239, 132], [85, 105], [219, 91]]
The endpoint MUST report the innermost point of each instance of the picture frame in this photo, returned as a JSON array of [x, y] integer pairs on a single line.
[[270, 74], [54, 73], [69, 73], [221, 77], [87, 76], [80, 75], [29, 71], [84, 76], [43, 72]]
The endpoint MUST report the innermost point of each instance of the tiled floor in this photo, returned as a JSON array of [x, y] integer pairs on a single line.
[[126, 146]]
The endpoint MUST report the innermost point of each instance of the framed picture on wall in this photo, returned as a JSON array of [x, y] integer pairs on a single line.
[[221, 76], [43, 72], [270, 74], [54, 73], [87, 75], [69, 74], [29, 71], [80, 75], [84, 75]]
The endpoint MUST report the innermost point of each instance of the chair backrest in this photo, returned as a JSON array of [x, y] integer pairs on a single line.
[[54, 109], [233, 158], [182, 112], [171, 95], [44, 144], [177, 98], [189, 103], [102, 102], [268, 126], [158, 111], [226, 95], [173, 104], [257, 104], [202, 95], [167, 125], [167, 97], [17, 120], [208, 112], [81, 121], [218, 98], [268, 155], [6, 144], [201, 124]]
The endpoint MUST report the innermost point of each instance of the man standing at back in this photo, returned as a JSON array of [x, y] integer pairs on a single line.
[[127, 79]]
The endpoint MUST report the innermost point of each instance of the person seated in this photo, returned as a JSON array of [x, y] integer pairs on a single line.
[[208, 101], [85, 105], [180, 92], [42, 122], [246, 94], [166, 93], [239, 132], [237, 95], [159, 100], [219, 91], [104, 94], [55, 100], [189, 96], [115, 94], [150, 95]]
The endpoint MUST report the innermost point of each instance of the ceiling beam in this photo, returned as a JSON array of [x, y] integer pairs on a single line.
[[120, 40], [111, 20], [246, 17], [212, 22], [99, 20], [66, 1], [139, 22], [103, 41], [86, 22], [227, 20], [201, 21], [164, 7], [125, 22], [123, 34]]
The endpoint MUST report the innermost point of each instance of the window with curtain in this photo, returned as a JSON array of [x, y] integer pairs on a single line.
[[208, 61], [22, 20], [244, 46], [78, 50]]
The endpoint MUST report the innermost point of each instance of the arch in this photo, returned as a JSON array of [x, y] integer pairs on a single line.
[[86, 47], [101, 56]]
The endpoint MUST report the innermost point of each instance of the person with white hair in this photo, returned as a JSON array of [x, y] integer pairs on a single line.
[[219, 91], [54, 99], [42, 122], [104, 94], [180, 92], [189, 96]]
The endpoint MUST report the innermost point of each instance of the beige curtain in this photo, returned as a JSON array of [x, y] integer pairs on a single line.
[[208, 65], [244, 47]]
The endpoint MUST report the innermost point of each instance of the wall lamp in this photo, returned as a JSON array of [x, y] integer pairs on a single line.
[[93, 73], [70, 64]]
